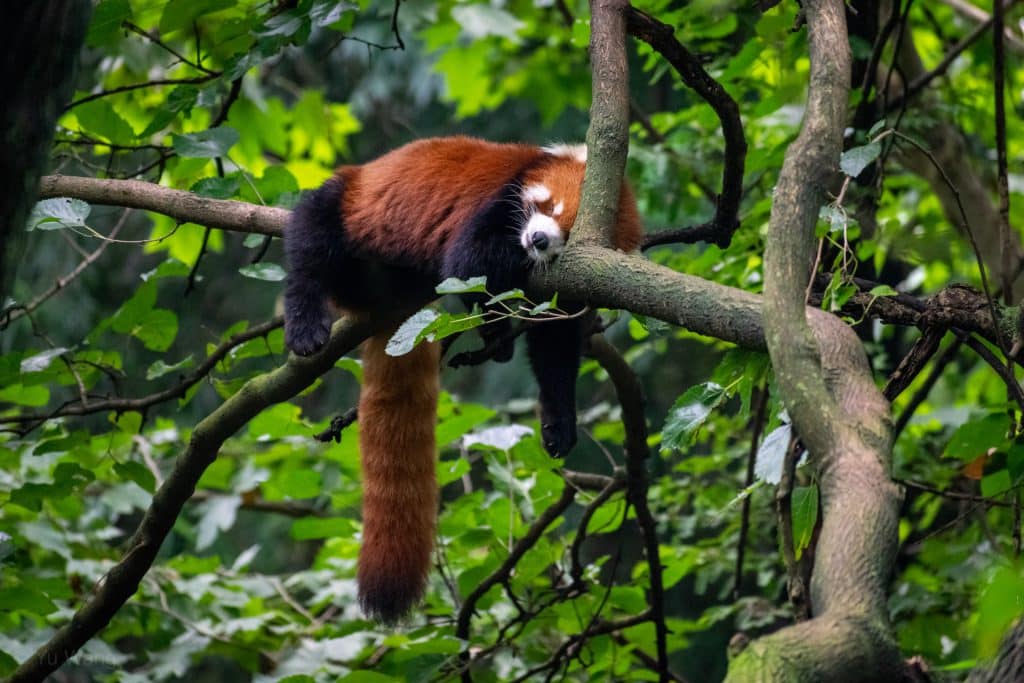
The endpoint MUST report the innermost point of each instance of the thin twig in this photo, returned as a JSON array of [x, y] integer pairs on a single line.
[[156, 41], [662, 38], [138, 86]]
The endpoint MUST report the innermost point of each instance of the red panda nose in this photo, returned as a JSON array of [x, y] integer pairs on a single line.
[[539, 240]]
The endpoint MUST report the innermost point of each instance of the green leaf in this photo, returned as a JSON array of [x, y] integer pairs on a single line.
[[26, 599], [300, 484], [998, 608], [689, 413], [410, 332], [483, 20], [542, 307], [169, 268], [99, 119], [136, 472], [1015, 462], [804, 505], [856, 159], [182, 14], [283, 25], [505, 296], [179, 100], [156, 329], [33, 396], [460, 422], [218, 188], [105, 25], [996, 483], [310, 528], [652, 326], [206, 144], [327, 12], [366, 676], [263, 270], [976, 437], [160, 368], [57, 213], [877, 128], [454, 285], [41, 360], [883, 290]]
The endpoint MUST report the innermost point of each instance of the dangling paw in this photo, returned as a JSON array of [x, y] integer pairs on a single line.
[[559, 436], [306, 337]]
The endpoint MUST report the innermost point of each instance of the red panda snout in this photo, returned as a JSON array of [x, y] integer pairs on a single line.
[[542, 236]]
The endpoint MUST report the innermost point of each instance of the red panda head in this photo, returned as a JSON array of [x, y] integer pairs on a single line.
[[551, 198]]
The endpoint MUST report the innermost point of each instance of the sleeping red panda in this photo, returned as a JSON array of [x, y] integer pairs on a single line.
[[395, 227]]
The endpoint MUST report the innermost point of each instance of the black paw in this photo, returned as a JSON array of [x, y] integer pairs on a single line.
[[559, 436], [306, 338]]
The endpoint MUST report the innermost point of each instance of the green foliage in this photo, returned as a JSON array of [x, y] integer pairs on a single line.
[[256, 582]]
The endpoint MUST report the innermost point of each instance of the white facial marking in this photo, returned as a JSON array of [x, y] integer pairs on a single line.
[[559, 208], [539, 224], [577, 152], [536, 193]]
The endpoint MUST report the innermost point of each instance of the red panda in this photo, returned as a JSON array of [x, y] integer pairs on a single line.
[[394, 228]]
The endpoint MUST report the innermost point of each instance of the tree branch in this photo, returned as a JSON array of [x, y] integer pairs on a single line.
[[849, 635], [608, 133], [183, 206], [720, 230]]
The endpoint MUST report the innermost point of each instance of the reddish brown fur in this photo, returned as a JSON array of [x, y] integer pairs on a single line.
[[430, 188], [397, 413]]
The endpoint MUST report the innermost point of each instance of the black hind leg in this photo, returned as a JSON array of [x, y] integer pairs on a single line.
[[313, 243], [555, 348]]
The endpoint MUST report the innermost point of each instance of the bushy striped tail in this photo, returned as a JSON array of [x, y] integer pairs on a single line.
[[397, 416]]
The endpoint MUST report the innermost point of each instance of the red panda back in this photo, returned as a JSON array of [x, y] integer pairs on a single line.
[[409, 203]]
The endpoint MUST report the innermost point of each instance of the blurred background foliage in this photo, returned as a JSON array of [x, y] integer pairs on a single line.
[[257, 101]]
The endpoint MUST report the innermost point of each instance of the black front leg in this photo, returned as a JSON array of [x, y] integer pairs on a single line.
[[555, 348], [489, 245], [313, 242]]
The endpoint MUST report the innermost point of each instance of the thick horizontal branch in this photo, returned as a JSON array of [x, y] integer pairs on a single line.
[[182, 206]]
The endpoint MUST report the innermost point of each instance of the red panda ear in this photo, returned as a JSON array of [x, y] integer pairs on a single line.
[[576, 152]]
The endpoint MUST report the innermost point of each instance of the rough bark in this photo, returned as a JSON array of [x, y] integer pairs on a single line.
[[41, 40], [848, 432], [184, 207]]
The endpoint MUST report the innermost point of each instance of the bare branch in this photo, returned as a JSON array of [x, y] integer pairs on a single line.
[[720, 230], [178, 204]]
